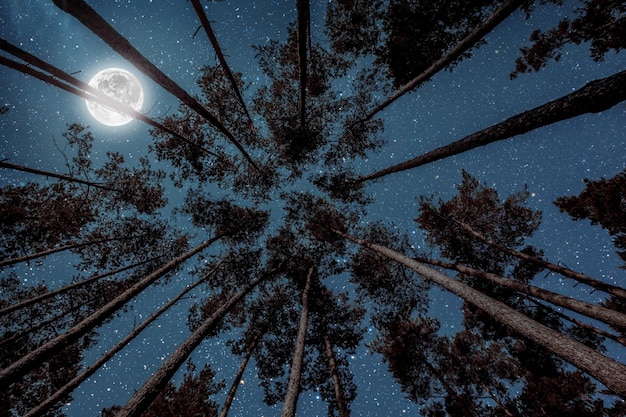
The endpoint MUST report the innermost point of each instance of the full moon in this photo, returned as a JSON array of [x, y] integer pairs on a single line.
[[120, 85]]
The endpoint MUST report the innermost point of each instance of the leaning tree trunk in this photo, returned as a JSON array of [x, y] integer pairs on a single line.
[[142, 398], [65, 81], [606, 315], [44, 296], [582, 278], [303, 33], [48, 349], [220, 55], [37, 255], [242, 367], [497, 17], [295, 373], [342, 407], [64, 391], [94, 22], [606, 370], [8, 165], [594, 97]]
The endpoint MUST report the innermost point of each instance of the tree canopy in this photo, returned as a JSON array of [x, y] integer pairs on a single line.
[[249, 242]]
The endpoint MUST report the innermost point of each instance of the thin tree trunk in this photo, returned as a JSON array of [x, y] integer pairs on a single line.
[[220, 55], [594, 97], [334, 372], [8, 165], [303, 32], [597, 312], [497, 17], [242, 367], [603, 333], [64, 391], [81, 89], [30, 257], [94, 22], [582, 278], [62, 290], [142, 398], [295, 373], [37, 356], [606, 370]]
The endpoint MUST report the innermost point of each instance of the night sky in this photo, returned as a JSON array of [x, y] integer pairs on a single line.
[[552, 161]]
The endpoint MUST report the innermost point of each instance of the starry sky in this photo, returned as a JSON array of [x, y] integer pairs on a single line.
[[552, 161]]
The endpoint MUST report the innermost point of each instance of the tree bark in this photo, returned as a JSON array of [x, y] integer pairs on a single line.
[[597, 312], [142, 398], [53, 346], [606, 370], [594, 97], [497, 17], [295, 373], [94, 22], [220, 55], [242, 367], [62, 392], [582, 278]]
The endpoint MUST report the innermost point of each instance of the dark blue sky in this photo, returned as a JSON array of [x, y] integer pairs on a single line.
[[552, 161]]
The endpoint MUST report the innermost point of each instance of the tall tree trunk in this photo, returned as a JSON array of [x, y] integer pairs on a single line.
[[65, 289], [220, 55], [582, 278], [242, 367], [37, 356], [342, 407], [497, 17], [597, 312], [81, 89], [594, 97], [30, 257], [142, 398], [94, 22], [8, 165], [606, 370], [295, 373], [64, 391], [303, 33], [603, 333]]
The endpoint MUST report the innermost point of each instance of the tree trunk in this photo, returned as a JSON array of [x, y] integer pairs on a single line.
[[582, 278], [8, 165], [242, 367], [64, 391], [334, 372], [597, 312], [78, 284], [53, 346], [142, 398], [497, 17], [94, 22], [603, 333], [303, 33], [606, 370], [220, 55], [295, 373], [13, 261], [80, 88], [594, 97]]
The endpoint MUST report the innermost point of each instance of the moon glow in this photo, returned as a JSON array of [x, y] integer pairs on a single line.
[[120, 85]]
